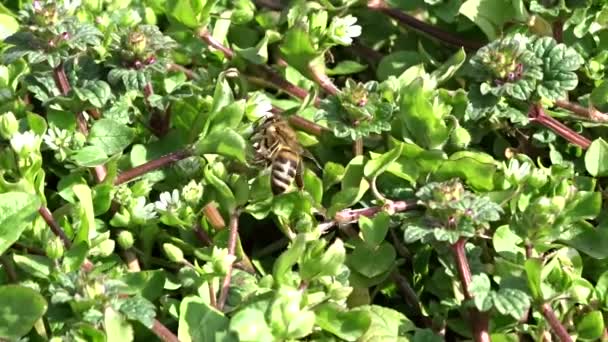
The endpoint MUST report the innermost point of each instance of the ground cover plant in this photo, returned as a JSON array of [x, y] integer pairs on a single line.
[[449, 155]]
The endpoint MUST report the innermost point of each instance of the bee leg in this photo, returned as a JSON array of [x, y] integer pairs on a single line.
[[300, 175]]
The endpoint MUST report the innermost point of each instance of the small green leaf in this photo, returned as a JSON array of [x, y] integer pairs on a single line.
[[507, 244], [476, 168], [591, 326], [512, 302], [97, 93], [190, 13], [377, 166], [533, 269], [332, 174], [414, 233], [394, 64], [423, 122], [87, 217], [225, 142], [489, 16], [590, 240], [449, 67], [116, 326], [313, 185], [374, 230], [372, 262], [35, 265], [596, 158], [250, 325], [287, 259], [347, 325], [90, 156], [198, 321], [17, 209], [74, 257], [346, 68], [21, 308], [110, 136], [229, 116], [36, 123], [298, 49], [386, 324], [480, 289]]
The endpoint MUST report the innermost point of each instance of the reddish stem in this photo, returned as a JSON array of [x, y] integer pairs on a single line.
[[264, 70], [352, 215], [323, 81], [232, 237], [55, 228], [554, 322], [202, 236], [162, 332], [537, 113], [479, 321], [152, 165], [577, 109], [409, 21]]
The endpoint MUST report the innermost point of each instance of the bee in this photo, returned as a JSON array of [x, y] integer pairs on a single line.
[[276, 145]]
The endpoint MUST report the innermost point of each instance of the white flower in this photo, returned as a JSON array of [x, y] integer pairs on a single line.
[[192, 192], [26, 142], [141, 211], [343, 30], [168, 202], [258, 105]]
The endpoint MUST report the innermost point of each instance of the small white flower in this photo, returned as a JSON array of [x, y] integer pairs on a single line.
[[168, 202], [343, 30], [192, 192], [25, 142], [258, 105], [142, 211]]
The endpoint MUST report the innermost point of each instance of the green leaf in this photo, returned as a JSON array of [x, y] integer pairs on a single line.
[[259, 53], [332, 174], [21, 308], [347, 325], [413, 233], [423, 122], [250, 325], [110, 136], [533, 269], [596, 158], [190, 13], [476, 168], [377, 166], [35, 265], [17, 210], [590, 240], [222, 188], [394, 64], [480, 289], [507, 244], [87, 216], [36, 123], [198, 321], [386, 324], [559, 63], [512, 302], [298, 49], [488, 15], [149, 283], [96, 92], [8, 26], [225, 142], [317, 263], [449, 67], [591, 326], [374, 230], [346, 68], [139, 309], [90, 156], [74, 257], [372, 262], [116, 326], [313, 185], [288, 259], [585, 205], [229, 116]]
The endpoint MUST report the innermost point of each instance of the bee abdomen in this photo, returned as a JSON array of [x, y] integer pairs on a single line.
[[283, 172]]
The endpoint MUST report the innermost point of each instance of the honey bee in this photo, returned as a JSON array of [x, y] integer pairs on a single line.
[[276, 145]]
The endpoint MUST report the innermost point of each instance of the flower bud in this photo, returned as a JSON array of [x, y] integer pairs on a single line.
[[173, 252], [9, 125], [125, 239], [54, 248]]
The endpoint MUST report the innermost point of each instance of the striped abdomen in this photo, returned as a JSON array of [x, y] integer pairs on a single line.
[[286, 166]]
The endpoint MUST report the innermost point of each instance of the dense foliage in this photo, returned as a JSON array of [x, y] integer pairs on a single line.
[[453, 180]]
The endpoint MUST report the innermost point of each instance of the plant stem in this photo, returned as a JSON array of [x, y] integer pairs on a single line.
[[555, 323], [323, 81], [537, 113], [479, 321], [232, 237], [352, 215], [152, 165], [163, 332], [202, 236], [62, 82], [55, 228], [411, 22], [265, 71], [131, 260], [577, 109], [411, 298]]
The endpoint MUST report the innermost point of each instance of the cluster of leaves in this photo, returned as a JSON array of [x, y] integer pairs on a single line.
[[446, 201]]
